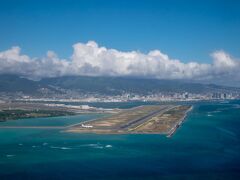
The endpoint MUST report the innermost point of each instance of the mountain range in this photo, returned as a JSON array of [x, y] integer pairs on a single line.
[[105, 85]]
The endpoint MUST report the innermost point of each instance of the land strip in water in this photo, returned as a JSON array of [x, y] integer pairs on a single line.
[[147, 119], [157, 119]]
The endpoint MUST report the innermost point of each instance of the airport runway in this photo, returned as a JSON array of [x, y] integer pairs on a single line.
[[141, 120]]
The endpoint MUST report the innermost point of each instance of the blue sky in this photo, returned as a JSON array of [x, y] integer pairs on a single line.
[[187, 30]]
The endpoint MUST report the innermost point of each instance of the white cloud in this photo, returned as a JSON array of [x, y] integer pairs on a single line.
[[90, 59]]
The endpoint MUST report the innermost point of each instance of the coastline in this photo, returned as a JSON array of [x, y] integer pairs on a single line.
[[179, 123], [134, 121]]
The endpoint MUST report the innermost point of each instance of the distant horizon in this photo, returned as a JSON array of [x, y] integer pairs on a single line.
[[194, 40], [119, 89], [126, 78]]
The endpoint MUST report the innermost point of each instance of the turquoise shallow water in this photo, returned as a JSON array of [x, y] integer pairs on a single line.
[[53, 121], [207, 146]]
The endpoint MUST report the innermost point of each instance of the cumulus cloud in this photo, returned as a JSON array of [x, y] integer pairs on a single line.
[[90, 59]]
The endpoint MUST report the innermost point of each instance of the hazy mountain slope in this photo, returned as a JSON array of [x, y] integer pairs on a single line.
[[104, 85], [13, 83], [116, 85]]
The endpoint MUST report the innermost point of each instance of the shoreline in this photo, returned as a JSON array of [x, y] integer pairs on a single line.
[[120, 128], [179, 123], [153, 122]]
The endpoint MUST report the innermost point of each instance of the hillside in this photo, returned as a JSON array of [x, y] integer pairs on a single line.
[[104, 85]]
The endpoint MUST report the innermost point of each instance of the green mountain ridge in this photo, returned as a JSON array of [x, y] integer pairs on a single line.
[[106, 85]]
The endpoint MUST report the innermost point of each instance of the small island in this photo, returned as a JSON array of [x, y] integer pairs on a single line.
[[149, 119]]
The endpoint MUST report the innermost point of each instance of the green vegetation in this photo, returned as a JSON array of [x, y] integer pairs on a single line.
[[19, 114], [105, 85]]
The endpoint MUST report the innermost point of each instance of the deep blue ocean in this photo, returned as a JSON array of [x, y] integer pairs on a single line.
[[207, 146]]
